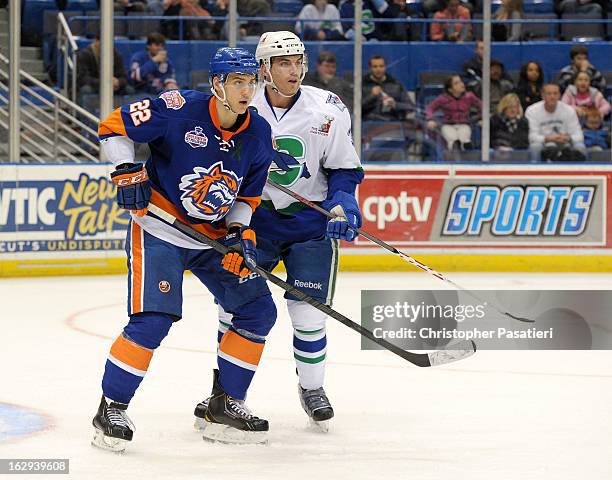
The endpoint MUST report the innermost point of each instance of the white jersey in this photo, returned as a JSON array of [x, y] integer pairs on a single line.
[[316, 131]]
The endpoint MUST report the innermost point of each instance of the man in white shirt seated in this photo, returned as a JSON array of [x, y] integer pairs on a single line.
[[554, 130]]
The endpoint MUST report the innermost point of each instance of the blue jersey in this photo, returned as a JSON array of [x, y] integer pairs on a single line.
[[147, 75], [197, 170]]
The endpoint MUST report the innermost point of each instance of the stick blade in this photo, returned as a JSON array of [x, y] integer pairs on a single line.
[[454, 353]]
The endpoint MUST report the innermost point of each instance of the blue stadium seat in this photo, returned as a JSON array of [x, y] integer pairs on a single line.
[[538, 6], [83, 5], [591, 31], [32, 16], [291, 7], [541, 31]]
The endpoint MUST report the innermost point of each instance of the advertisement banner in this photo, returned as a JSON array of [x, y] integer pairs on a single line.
[[490, 206], [64, 219], [55, 209]]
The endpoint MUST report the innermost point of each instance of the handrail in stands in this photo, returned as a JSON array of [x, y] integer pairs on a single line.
[[63, 132], [67, 45]]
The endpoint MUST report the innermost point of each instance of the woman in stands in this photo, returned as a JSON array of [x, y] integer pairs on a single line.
[[508, 32], [509, 128], [583, 97], [531, 80], [456, 106]]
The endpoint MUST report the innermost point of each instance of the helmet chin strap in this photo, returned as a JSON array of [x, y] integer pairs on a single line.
[[273, 86], [224, 99]]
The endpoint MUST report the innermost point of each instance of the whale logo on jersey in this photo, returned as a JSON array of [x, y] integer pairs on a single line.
[[286, 168], [210, 192]]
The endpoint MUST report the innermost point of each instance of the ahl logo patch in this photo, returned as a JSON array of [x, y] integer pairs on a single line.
[[196, 138], [210, 192], [324, 128], [335, 100], [173, 99], [164, 286]]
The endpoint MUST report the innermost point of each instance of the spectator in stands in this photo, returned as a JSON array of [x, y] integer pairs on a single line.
[[323, 22], [511, 32], [509, 128], [582, 97], [193, 30], [371, 9], [554, 129], [452, 32], [596, 138], [579, 55], [501, 85], [432, 6], [197, 30], [396, 31], [88, 71], [456, 105], [155, 7], [383, 97], [325, 77], [253, 8], [123, 7], [531, 79], [472, 69], [151, 71], [580, 6]]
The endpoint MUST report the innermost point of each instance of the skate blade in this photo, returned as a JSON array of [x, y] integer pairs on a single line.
[[111, 444], [200, 423], [217, 432], [320, 427]]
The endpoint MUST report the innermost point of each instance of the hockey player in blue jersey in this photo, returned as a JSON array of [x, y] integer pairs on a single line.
[[209, 161], [314, 127]]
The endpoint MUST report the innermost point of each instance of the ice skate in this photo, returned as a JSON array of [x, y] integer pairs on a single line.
[[228, 420], [200, 413], [316, 405], [113, 428]]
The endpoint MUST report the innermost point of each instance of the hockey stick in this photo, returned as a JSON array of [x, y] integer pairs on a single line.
[[460, 350], [400, 254]]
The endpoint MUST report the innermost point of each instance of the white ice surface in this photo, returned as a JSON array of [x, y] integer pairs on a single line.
[[497, 415]]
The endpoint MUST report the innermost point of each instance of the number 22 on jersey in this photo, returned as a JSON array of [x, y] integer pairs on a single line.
[[140, 112]]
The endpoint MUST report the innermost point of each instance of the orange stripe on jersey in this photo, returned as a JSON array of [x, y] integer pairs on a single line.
[[159, 200], [137, 263], [252, 201], [241, 348], [225, 134], [112, 124], [131, 354]]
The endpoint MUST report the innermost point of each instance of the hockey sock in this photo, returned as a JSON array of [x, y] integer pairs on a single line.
[[131, 353], [309, 343], [309, 348], [225, 322], [237, 358]]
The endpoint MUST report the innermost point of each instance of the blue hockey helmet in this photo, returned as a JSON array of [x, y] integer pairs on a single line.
[[232, 60]]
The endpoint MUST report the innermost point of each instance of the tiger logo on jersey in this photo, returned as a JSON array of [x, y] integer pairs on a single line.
[[210, 192]]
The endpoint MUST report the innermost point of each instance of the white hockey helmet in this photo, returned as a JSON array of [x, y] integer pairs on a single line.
[[276, 44]]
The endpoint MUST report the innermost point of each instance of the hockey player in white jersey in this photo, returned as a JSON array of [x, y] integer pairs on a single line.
[[314, 127]]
